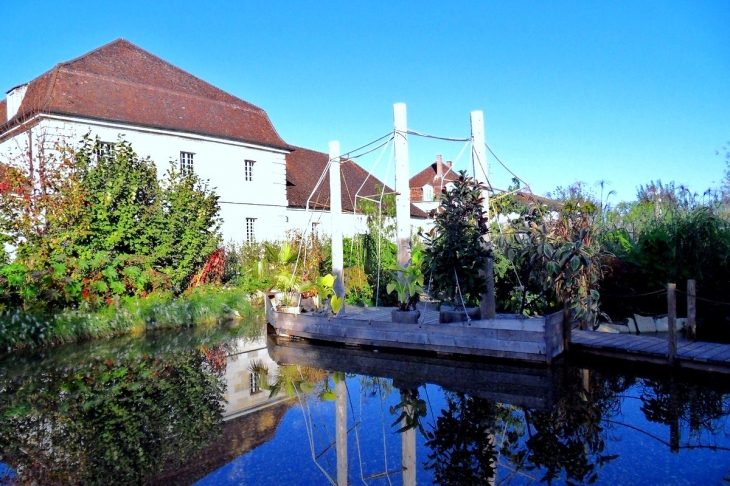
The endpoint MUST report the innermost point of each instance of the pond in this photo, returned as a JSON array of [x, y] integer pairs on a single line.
[[216, 406]]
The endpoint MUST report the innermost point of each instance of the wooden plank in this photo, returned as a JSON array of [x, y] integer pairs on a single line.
[[659, 348], [420, 341], [638, 345], [693, 352], [711, 353], [724, 356], [693, 349]]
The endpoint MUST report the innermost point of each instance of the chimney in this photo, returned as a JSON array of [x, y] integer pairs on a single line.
[[439, 167], [448, 164], [15, 98]]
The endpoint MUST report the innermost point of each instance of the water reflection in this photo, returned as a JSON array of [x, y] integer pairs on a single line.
[[560, 425], [226, 406]]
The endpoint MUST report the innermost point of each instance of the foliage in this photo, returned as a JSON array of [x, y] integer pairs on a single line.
[[454, 257], [204, 305], [190, 229], [559, 259], [322, 287], [408, 284], [412, 410], [114, 422], [95, 225], [463, 445]]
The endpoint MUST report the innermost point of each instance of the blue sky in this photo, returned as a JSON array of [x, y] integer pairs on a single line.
[[626, 92]]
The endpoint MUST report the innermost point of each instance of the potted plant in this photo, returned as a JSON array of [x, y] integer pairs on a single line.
[[454, 257], [287, 282], [322, 288], [408, 284]]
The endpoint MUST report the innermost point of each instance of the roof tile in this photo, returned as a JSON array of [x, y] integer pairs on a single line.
[[124, 83], [303, 169]]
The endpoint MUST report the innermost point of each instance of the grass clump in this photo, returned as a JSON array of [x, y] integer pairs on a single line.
[[205, 305]]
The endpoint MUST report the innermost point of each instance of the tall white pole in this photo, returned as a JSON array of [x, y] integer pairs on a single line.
[[481, 169], [403, 192], [336, 218]]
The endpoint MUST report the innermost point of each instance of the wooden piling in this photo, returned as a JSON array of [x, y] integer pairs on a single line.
[[691, 310], [567, 329], [672, 318]]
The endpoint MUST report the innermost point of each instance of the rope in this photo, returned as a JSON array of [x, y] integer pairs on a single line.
[[656, 292], [453, 164], [448, 139], [347, 154], [461, 297], [371, 150], [380, 230], [385, 446], [705, 300], [310, 435]]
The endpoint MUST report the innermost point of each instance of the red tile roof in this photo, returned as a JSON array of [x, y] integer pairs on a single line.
[[303, 169], [429, 176], [124, 83]]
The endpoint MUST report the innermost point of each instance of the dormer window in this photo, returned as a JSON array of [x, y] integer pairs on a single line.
[[428, 192]]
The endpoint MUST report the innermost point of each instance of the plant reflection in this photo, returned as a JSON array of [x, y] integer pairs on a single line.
[[463, 443], [112, 422]]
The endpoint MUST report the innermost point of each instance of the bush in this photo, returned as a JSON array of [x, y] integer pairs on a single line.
[[101, 227]]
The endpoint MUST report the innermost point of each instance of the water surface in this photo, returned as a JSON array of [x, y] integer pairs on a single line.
[[226, 406]]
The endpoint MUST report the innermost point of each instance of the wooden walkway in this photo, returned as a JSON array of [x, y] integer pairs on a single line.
[[698, 355]]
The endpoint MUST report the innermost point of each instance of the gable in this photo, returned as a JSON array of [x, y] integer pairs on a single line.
[[121, 82]]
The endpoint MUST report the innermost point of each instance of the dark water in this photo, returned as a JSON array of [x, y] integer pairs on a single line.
[[226, 406]]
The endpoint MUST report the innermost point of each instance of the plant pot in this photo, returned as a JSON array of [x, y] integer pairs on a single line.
[[310, 304], [288, 309], [448, 314], [405, 317]]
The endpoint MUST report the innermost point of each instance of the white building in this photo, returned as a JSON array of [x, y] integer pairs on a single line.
[[122, 91]]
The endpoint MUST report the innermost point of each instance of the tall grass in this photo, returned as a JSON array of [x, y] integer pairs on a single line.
[[203, 306]]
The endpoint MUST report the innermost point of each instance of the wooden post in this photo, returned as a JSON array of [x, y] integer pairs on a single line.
[[672, 318], [341, 432], [691, 310], [402, 189], [567, 329], [481, 169], [336, 218]]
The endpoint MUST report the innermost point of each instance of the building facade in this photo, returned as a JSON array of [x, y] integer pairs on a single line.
[[120, 91]]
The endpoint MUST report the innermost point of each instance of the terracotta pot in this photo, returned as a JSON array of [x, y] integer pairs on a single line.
[[448, 314], [405, 317]]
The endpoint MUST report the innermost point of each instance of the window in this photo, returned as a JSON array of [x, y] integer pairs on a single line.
[[250, 236], [248, 169], [255, 383], [186, 162], [104, 150], [427, 193]]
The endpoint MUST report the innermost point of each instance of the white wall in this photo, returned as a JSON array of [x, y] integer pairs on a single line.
[[239, 399], [219, 161]]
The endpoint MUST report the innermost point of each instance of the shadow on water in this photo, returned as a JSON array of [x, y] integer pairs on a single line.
[[223, 405]]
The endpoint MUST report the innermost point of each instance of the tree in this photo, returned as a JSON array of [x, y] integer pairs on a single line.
[[95, 224]]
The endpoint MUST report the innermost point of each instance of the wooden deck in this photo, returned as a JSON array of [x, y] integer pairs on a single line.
[[697, 355], [538, 339]]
